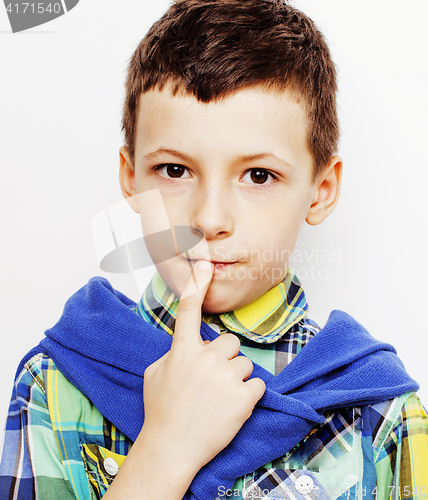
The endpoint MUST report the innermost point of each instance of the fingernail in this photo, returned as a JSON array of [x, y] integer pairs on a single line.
[[203, 264]]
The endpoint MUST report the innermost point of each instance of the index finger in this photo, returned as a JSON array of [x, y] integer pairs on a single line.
[[188, 319]]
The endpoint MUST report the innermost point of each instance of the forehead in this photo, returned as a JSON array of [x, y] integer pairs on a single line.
[[248, 121]]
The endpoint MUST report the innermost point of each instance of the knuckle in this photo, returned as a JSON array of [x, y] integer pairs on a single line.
[[261, 383], [231, 339], [245, 364], [235, 339], [257, 386], [217, 342], [248, 362], [237, 345], [248, 367], [262, 386]]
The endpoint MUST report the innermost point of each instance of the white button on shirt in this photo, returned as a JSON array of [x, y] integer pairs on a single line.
[[215, 327], [111, 466], [304, 485]]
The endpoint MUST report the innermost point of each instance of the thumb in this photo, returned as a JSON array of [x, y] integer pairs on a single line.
[[188, 319]]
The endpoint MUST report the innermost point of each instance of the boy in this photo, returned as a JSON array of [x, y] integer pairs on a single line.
[[230, 113]]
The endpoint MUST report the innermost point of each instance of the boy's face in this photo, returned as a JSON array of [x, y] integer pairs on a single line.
[[240, 171]]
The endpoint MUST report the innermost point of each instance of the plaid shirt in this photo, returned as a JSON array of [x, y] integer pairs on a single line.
[[58, 446]]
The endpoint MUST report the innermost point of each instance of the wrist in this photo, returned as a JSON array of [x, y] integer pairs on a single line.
[[159, 448]]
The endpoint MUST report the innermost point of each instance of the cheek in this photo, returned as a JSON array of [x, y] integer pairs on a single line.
[[177, 207], [277, 229], [273, 238]]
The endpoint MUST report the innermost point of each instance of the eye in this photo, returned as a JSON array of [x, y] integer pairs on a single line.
[[173, 170], [259, 176]]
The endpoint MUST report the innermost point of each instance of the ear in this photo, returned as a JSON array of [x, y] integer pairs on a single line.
[[327, 192], [127, 178]]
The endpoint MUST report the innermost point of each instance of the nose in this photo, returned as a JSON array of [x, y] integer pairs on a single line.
[[212, 212]]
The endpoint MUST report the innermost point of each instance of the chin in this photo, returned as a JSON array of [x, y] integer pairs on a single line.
[[216, 303]]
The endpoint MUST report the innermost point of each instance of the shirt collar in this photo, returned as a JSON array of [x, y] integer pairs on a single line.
[[264, 320]]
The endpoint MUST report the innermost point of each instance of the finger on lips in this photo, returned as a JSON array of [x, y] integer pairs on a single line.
[[187, 328], [188, 320]]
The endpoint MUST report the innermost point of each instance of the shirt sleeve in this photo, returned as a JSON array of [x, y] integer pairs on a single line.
[[31, 467], [411, 460], [402, 466]]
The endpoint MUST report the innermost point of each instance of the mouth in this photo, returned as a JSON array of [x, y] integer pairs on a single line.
[[218, 266]]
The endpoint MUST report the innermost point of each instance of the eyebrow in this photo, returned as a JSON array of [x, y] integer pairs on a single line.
[[240, 159], [265, 156], [172, 152]]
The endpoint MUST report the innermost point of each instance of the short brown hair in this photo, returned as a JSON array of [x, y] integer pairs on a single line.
[[211, 48]]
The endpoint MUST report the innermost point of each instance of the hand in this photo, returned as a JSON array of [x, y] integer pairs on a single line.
[[197, 396]]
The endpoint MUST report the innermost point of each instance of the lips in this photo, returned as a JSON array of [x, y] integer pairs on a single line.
[[213, 261], [218, 265]]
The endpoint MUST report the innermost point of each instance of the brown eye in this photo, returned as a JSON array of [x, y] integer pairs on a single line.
[[173, 170], [258, 176]]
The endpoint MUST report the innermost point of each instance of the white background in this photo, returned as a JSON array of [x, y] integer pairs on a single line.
[[61, 93]]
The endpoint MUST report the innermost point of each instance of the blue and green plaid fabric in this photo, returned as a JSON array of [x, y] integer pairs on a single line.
[[57, 444]]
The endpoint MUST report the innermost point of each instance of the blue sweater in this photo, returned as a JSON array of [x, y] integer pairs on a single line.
[[103, 348]]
